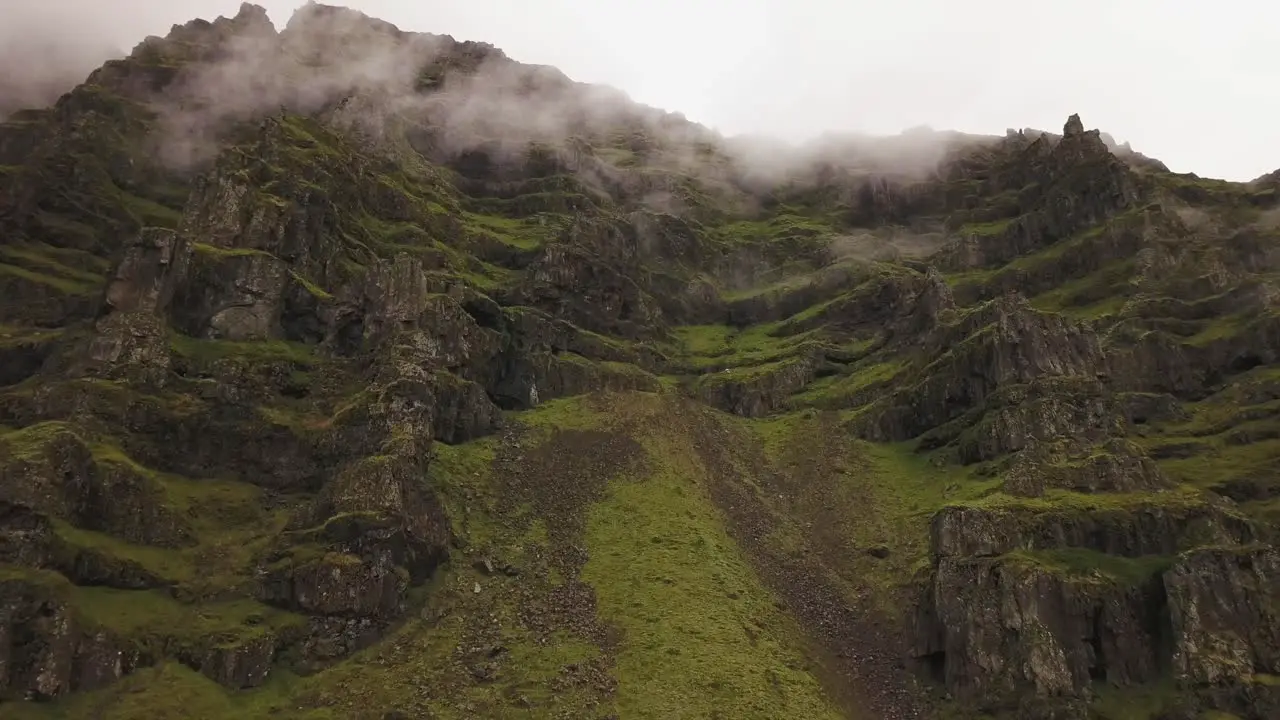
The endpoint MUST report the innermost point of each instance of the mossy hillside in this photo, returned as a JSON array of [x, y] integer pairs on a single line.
[[888, 577], [117, 185], [1092, 273], [719, 347], [397, 209], [855, 386], [660, 534], [1228, 443], [78, 270], [15, 336], [169, 690], [151, 623], [476, 649], [223, 523], [56, 284], [864, 507]]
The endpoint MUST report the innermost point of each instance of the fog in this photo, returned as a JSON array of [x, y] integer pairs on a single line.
[[1189, 83]]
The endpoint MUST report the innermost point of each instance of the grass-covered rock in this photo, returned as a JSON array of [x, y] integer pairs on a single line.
[[460, 389]]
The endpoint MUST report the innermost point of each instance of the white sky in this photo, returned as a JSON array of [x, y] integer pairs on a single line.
[[1192, 82]]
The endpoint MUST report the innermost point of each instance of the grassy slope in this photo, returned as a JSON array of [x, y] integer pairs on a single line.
[[698, 630], [681, 621], [690, 629]]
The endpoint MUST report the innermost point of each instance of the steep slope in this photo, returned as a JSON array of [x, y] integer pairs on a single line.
[[410, 381]]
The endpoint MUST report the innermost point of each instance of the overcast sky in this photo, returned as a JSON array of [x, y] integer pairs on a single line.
[[1191, 82]]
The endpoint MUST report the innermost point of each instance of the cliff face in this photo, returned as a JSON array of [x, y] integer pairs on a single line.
[[352, 372]]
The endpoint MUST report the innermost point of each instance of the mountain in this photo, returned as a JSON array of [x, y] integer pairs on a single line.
[[354, 373]]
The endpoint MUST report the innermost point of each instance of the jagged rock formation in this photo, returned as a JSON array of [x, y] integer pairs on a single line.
[[277, 383]]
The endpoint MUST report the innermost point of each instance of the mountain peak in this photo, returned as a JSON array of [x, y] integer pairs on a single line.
[[1073, 126]]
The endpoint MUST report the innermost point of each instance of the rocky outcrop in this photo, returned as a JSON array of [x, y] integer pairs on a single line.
[[1009, 634], [1013, 612], [1001, 344], [236, 350], [1143, 528], [1222, 613], [1076, 184], [758, 391], [46, 652], [1113, 466], [50, 470]]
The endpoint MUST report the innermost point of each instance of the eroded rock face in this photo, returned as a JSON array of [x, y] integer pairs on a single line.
[[45, 652], [1222, 611], [1005, 629], [1012, 607], [1077, 183], [338, 294], [1002, 344], [50, 470]]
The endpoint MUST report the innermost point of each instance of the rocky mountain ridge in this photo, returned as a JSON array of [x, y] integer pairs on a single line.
[[348, 372]]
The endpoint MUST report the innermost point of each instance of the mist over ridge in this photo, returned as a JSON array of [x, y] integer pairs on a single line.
[[256, 75]]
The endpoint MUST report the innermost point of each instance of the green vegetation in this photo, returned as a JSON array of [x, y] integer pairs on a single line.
[[623, 550], [1082, 563], [724, 647], [995, 227], [12, 277], [710, 348], [1137, 703], [841, 391], [259, 351]]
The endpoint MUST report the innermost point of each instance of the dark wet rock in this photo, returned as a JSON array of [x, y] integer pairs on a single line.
[[757, 391], [49, 469], [45, 652], [1221, 604], [1003, 343], [1001, 630], [1146, 528]]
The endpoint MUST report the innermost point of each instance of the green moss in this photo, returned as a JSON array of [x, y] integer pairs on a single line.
[[254, 351], [461, 472], [706, 348], [523, 233], [151, 616], [1093, 296], [72, 265], [785, 228], [148, 212], [154, 620], [995, 227], [13, 336], [171, 691], [840, 390], [217, 252], [747, 374], [1220, 329], [705, 340], [724, 647], [1142, 702], [32, 442], [1056, 500], [875, 495], [1083, 563], [571, 413], [170, 565], [315, 290], [55, 282]]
